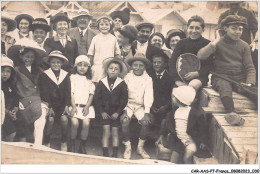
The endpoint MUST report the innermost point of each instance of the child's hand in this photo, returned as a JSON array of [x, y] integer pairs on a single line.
[[12, 114], [105, 115], [73, 111], [159, 141], [191, 75], [146, 119], [124, 117], [203, 146], [51, 113], [85, 111], [114, 116], [66, 110]]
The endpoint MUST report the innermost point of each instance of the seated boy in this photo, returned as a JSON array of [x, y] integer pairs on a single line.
[[233, 60], [140, 100], [184, 128], [162, 87]]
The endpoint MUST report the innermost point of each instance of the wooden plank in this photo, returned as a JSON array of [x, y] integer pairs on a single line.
[[220, 146], [238, 110], [211, 160], [253, 148], [253, 115], [243, 134], [249, 121], [243, 141], [212, 92], [230, 156], [239, 129]]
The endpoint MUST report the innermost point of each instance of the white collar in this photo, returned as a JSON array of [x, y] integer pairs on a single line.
[[52, 76], [84, 31], [142, 44], [29, 68], [162, 73], [117, 82]]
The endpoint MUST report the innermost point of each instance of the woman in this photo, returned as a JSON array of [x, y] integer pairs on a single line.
[[61, 41], [120, 18], [24, 21], [7, 25], [157, 39], [172, 38]]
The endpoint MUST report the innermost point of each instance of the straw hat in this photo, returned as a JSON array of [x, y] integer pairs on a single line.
[[15, 50], [11, 23], [185, 94], [40, 23], [140, 57], [107, 61], [28, 17], [58, 54], [83, 12]]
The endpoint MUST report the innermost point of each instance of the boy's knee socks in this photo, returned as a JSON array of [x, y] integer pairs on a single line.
[[105, 152], [115, 150], [228, 104]]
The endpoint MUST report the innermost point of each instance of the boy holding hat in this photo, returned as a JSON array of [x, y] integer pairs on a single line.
[[83, 34], [55, 91], [232, 60], [140, 100], [110, 99]]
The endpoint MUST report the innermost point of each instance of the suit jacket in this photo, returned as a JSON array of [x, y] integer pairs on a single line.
[[83, 42], [70, 51]]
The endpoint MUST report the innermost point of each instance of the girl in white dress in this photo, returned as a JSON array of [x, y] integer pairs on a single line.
[[82, 92]]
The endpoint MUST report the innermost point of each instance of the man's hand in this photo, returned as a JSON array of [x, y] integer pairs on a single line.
[[105, 115], [191, 75]]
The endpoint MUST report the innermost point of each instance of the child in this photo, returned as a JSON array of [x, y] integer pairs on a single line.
[[192, 44], [184, 127], [232, 60], [11, 99], [162, 87], [102, 46], [82, 92], [110, 99], [140, 100], [27, 55], [55, 91]]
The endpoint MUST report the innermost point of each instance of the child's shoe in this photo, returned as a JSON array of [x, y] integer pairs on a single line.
[[234, 119], [140, 149], [82, 147], [128, 150], [63, 147]]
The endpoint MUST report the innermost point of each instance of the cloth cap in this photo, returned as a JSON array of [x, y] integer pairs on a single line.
[[83, 12], [185, 94], [82, 58], [11, 23], [144, 24], [233, 19], [5, 61], [58, 54]]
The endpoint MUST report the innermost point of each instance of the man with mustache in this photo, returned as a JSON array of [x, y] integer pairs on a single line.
[[142, 45], [82, 33]]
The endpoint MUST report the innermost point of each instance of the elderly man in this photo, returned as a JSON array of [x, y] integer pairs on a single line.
[[235, 9], [82, 33]]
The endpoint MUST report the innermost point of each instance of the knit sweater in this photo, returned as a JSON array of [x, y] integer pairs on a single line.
[[191, 46], [231, 55]]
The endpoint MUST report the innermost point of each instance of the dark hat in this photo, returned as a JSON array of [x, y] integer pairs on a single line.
[[138, 56], [233, 19], [162, 54], [28, 17], [123, 15], [40, 23], [144, 24], [60, 17], [174, 32], [156, 34], [129, 31], [83, 12], [10, 22]]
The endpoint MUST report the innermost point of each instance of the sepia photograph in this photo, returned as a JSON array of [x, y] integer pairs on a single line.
[[130, 82]]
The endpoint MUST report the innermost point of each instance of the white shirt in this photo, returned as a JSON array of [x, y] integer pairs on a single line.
[[63, 42], [29, 68], [140, 90], [162, 73], [84, 31], [81, 87], [142, 47], [182, 113]]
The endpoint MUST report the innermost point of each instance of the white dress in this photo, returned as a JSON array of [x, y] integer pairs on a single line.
[[81, 87], [102, 47]]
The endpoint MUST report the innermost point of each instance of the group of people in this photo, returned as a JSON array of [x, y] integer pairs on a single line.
[[117, 75]]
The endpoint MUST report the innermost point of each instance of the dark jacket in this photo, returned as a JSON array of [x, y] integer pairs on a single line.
[[70, 51], [111, 101], [11, 97]]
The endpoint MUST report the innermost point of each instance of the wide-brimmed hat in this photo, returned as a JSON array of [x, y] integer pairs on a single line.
[[28, 17], [83, 12], [11, 23], [233, 19], [185, 94], [40, 23], [82, 58], [144, 24], [58, 54], [60, 17], [129, 31], [123, 15], [107, 61], [138, 56], [5, 61], [174, 32], [15, 50]]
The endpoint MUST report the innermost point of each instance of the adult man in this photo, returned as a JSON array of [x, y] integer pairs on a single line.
[[82, 33], [235, 9], [141, 45]]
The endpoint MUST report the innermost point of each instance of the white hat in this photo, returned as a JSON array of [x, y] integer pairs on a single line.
[[185, 94], [82, 58], [6, 61], [58, 54], [83, 12]]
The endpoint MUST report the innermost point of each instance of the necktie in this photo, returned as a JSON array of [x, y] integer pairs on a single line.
[[159, 76], [111, 87], [81, 33]]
